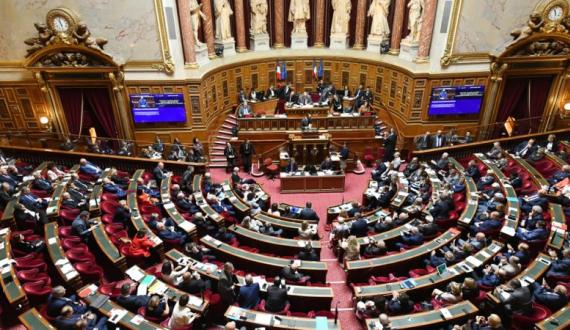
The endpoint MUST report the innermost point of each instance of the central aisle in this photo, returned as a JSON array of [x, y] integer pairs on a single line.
[[336, 277]]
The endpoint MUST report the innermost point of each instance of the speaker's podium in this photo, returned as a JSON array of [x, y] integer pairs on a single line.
[[310, 147]]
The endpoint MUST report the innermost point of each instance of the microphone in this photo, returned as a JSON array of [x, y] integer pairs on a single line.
[[336, 313]]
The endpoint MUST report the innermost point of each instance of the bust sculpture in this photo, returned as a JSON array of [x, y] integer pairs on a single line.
[[341, 16], [415, 18], [195, 14], [223, 11], [258, 17], [379, 12], [299, 13]]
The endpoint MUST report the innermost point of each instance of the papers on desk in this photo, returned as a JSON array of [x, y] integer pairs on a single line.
[[135, 273], [156, 240], [195, 301], [263, 318], [52, 240], [446, 314], [157, 288], [474, 261], [485, 254], [117, 314], [137, 320], [186, 226], [509, 231]]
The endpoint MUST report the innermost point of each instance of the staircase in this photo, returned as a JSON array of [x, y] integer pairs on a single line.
[[216, 150]]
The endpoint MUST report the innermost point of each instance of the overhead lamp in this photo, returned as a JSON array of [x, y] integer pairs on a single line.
[[567, 106], [44, 120]]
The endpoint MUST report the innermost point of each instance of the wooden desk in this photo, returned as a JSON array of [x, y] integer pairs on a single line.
[[303, 298], [272, 266], [290, 228], [207, 209], [360, 270], [54, 204], [95, 197], [557, 234], [536, 177], [334, 211], [331, 123], [299, 112], [426, 283], [108, 249], [557, 321], [125, 321], [172, 293], [197, 182], [188, 227], [277, 245], [64, 267], [11, 287], [432, 319], [136, 218], [266, 107], [268, 321], [241, 208], [311, 183], [513, 208], [471, 196], [33, 320]]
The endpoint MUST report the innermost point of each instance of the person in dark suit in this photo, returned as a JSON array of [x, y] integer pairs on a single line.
[[489, 224], [540, 199], [5, 194], [169, 235], [57, 300], [525, 148], [192, 283], [248, 296], [291, 273], [68, 202], [519, 299], [326, 164], [89, 168], [80, 226], [292, 98], [286, 92], [159, 174], [443, 163], [21, 244], [246, 150], [131, 302], [539, 233], [438, 140], [230, 154], [442, 206], [71, 320], [308, 213], [306, 121], [308, 253], [184, 204], [113, 188], [560, 175], [271, 93], [423, 142], [412, 238], [390, 145], [226, 284], [560, 266], [241, 96], [552, 144], [292, 166], [276, 297], [400, 304], [123, 215], [41, 184], [359, 227], [554, 299], [354, 208]]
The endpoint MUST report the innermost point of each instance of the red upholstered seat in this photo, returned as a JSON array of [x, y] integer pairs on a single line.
[[107, 218], [68, 215], [368, 157], [539, 313], [458, 197], [149, 209], [89, 271], [37, 291], [270, 168], [109, 197], [40, 193], [31, 264], [65, 231], [285, 311], [32, 275], [165, 325], [417, 272], [79, 256], [113, 289], [72, 243], [109, 207]]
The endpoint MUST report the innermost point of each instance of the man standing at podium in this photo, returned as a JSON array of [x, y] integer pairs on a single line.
[[246, 151], [306, 122]]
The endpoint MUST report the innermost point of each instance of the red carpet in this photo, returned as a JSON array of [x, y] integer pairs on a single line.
[[355, 186]]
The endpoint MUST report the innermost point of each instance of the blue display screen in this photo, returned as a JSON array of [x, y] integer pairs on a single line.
[[456, 100], [158, 108]]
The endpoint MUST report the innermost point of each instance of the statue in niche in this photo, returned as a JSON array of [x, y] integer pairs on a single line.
[[379, 12], [258, 17], [299, 13], [341, 16], [195, 14], [223, 11], [415, 18]]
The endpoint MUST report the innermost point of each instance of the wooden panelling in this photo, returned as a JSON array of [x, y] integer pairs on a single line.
[[21, 107]]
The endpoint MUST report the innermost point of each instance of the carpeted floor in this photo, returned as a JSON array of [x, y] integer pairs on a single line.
[[336, 277]]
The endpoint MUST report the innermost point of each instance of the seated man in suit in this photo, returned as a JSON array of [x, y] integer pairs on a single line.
[[292, 166], [19, 243], [255, 96], [291, 99], [525, 149], [41, 184], [271, 93], [193, 283], [57, 300], [487, 224], [291, 273], [564, 173], [496, 151], [248, 296], [554, 299], [113, 188], [305, 99], [244, 110], [560, 266], [131, 302], [81, 225], [359, 227], [71, 320], [276, 297], [541, 199], [308, 253], [539, 233], [170, 235], [472, 170], [159, 173], [184, 204], [354, 208], [68, 202], [519, 299], [442, 206], [31, 201], [123, 214], [327, 164], [89, 168], [308, 213], [414, 237], [336, 104], [306, 122]]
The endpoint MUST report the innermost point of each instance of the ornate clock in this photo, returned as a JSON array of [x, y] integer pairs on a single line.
[[553, 11], [62, 21]]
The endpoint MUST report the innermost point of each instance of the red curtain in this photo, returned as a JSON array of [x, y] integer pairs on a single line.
[[102, 110], [71, 102]]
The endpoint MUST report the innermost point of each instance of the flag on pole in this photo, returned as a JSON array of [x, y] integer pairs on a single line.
[[278, 71], [315, 70], [321, 70], [284, 71]]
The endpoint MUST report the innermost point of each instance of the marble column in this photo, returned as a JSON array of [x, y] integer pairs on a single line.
[[240, 26], [187, 32], [208, 26], [360, 24], [279, 41], [320, 22], [397, 26], [427, 31]]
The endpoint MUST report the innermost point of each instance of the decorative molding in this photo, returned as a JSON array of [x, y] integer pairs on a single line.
[[449, 57]]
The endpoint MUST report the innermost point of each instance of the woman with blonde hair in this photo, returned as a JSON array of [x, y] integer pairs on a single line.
[[306, 232], [351, 248]]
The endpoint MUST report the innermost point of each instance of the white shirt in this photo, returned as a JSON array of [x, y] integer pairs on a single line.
[[181, 316]]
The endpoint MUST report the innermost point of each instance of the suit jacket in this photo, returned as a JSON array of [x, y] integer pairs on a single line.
[[122, 215], [423, 142], [436, 138], [230, 153], [5, 197], [305, 100], [249, 296], [359, 228], [225, 290], [292, 167], [326, 165], [548, 298], [416, 239], [54, 305], [554, 146], [41, 184], [133, 303], [271, 93], [193, 286], [276, 299], [308, 214], [520, 300], [292, 98], [532, 235], [473, 172], [523, 151], [90, 168], [305, 122], [158, 175], [246, 152]]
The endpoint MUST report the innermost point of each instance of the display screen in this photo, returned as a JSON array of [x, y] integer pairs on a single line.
[[458, 100], [158, 108]]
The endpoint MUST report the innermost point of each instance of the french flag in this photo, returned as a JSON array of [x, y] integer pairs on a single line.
[[278, 71], [315, 70]]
